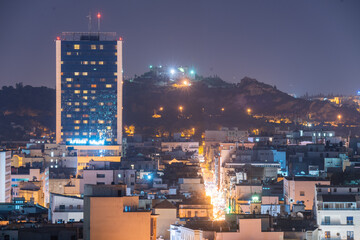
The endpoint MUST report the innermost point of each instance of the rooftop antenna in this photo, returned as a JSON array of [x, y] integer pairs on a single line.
[[89, 24], [98, 17]]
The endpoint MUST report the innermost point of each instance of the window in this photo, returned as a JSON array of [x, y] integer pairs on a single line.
[[92, 62], [92, 109], [101, 103], [78, 207], [108, 85], [302, 193], [68, 115], [101, 121], [71, 206], [84, 73], [335, 190], [77, 103], [77, 109], [100, 175], [119, 175], [327, 234], [62, 206], [85, 91], [69, 79], [68, 53], [101, 47], [85, 97], [77, 121], [69, 85], [77, 91], [93, 47], [350, 220], [76, 46], [327, 220], [76, 73], [76, 127], [100, 183], [101, 62], [93, 85], [85, 62], [350, 235]]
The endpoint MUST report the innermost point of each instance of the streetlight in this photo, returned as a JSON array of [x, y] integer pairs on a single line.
[[161, 109], [339, 117], [181, 108], [248, 111], [222, 109]]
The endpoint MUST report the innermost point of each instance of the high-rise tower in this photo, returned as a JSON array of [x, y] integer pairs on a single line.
[[89, 90]]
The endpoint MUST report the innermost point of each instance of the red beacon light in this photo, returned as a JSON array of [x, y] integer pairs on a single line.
[[98, 15], [57, 38], [120, 38]]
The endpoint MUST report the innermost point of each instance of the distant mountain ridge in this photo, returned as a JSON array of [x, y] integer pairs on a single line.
[[209, 103]]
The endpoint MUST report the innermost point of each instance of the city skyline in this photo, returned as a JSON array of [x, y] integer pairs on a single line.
[[299, 47]]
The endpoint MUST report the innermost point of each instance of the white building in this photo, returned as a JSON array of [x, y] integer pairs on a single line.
[[184, 146], [338, 212], [63, 209], [5, 176]]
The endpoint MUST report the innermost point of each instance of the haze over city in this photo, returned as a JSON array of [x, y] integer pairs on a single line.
[[299, 46]]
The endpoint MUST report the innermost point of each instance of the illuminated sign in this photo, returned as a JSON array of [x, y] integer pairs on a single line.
[[86, 141]]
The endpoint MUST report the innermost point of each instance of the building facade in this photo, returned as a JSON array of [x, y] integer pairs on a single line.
[[89, 89], [5, 176]]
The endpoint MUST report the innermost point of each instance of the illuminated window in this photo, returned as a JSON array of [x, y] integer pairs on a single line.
[[76, 46], [76, 127], [108, 128], [85, 133], [76, 73], [77, 85], [77, 91], [76, 134], [77, 103], [68, 103], [101, 121], [85, 121], [115, 73], [85, 115], [68, 53], [62, 73], [92, 62], [93, 85], [69, 85], [101, 62], [93, 92], [116, 54], [84, 73], [102, 79], [93, 97], [85, 97], [101, 103], [77, 121], [77, 109], [108, 85], [93, 109], [93, 47], [85, 103], [68, 115], [85, 91], [62, 62], [85, 62], [101, 47], [69, 79]]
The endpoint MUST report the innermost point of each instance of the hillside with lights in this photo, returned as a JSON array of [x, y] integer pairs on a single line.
[[162, 102]]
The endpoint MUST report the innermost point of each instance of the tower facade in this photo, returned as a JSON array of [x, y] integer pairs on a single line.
[[89, 89]]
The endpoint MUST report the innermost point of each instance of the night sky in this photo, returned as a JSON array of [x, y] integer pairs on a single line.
[[299, 46]]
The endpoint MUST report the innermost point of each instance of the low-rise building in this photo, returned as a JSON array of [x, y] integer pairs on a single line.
[[64, 209]]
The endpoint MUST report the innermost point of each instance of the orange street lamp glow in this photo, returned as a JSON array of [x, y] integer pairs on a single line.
[[339, 117], [161, 109], [222, 109], [181, 108], [248, 110]]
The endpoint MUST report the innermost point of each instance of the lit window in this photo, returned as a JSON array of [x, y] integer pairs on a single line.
[[76, 46], [68, 53], [108, 85], [76, 127], [77, 91], [93, 109], [116, 54], [69, 79], [68, 115], [93, 97], [77, 85], [77, 103], [92, 62], [77, 109], [102, 79], [76, 134], [101, 121], [76, 73], [85, 103], [85, 91], [69, 103], [101, 62], [93, 92], [69, 85], [85, 133], [85, 97], [101, 103], [93, 47], [85, 115], [101, 47], [77, 121], [108, 128], [85, 121], [93, 85], [62, 62], [84, 73], [85, 62], [115, 73]]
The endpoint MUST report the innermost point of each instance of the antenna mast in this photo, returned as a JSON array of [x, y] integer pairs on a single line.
[[89, 24]]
